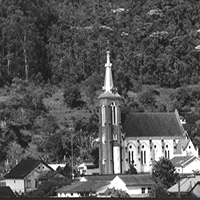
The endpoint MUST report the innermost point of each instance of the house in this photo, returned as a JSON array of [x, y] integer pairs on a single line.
[[81, 189], [136, 139], [87, 168], [24, 176], [136, 185], [186, 164], [86, 186]]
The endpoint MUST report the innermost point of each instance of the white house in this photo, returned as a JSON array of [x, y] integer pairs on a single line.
[[186, 164], [87, 168], [83, 189], [24, 176], [136, 185]]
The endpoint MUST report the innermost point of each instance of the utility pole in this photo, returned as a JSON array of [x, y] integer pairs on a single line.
[[72, 151]]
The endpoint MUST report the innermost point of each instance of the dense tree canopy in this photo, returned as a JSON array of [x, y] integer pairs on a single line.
[[49, 45]]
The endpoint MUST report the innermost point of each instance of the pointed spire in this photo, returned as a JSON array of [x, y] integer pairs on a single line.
[[108, 82]]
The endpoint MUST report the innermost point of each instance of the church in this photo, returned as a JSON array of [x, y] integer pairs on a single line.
[[137, 139]]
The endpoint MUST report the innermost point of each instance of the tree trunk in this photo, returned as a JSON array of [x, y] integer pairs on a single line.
[[26, 59], [26, 65]]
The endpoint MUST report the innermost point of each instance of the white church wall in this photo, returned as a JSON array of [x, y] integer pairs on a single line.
[[143, 151]]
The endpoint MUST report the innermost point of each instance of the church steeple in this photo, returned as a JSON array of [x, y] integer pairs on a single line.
[[108, 82], [108, 88], [109, 125]]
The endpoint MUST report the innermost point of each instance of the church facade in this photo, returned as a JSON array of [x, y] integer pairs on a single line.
[[136, 139]]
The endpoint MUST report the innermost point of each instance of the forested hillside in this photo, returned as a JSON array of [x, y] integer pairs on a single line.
[[52, 57]]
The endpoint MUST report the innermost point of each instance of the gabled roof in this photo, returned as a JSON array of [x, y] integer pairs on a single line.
[[137, 179], [151, 125], [23, 168], [182, 144], [180, 161], [6, 192], [78, 186]]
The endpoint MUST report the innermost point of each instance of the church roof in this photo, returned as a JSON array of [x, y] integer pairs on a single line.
[[151, 125]]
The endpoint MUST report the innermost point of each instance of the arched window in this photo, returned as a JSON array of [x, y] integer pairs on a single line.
[[131, 154], [103, 114], [113, 113], [167, 151], [143, 155]]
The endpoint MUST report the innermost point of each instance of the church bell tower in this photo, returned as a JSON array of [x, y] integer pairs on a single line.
[[110, 150]]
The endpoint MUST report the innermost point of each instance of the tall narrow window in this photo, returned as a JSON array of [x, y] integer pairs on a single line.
[[130, 154], [103, 114], [143, 156], [167, 152], [113, 113]]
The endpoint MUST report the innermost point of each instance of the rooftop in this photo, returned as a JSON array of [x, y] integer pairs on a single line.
[[137, 179], [78, 186], [151, 125], [180, 161], [23, 168]]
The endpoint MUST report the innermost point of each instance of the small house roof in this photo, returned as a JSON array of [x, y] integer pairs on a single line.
[[152, 125], [137, 179], [180, 161], [23, 168], [78, 186]]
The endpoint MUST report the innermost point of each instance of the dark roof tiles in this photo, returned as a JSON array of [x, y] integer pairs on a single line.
[[137, 179], [99, 178], [23, 168], [151, 125]]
